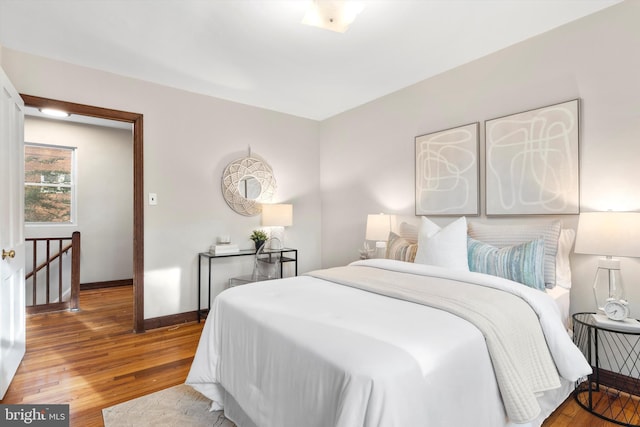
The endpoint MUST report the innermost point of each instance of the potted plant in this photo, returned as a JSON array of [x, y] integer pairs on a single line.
[[258, 237]]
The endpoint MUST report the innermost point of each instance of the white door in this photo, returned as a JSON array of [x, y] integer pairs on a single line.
[[12, 303]]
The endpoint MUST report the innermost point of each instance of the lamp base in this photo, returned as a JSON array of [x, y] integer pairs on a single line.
[[277, 234], [609, 263], [381, 249], [608, 282]]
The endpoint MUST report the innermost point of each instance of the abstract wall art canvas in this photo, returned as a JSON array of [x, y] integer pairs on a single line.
[[532, 162], [447, 172]]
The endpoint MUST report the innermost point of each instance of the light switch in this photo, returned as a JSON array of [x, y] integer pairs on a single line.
[[153, 199]]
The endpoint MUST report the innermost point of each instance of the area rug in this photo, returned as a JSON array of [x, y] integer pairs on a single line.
[[176, 406]]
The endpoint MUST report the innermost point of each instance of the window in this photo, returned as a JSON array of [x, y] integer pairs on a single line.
[[49, 178]]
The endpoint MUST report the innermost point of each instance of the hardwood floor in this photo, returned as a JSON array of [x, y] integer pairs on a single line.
[[92, 360], [569, 414]]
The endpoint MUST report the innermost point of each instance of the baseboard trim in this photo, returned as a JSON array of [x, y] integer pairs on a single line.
[[153, 323], [47, 308], [618, 381], [170, 320], [106, 284]]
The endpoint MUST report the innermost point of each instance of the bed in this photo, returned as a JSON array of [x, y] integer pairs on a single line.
[[383, 343]]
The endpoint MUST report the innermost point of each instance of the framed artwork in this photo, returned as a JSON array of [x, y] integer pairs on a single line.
[[447, 174], [532, 162]]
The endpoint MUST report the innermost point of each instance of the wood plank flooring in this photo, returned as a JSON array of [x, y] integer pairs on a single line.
[[92, 360], [569, 414]]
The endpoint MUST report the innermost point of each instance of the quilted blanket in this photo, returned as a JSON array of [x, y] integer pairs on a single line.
[[522, 362]]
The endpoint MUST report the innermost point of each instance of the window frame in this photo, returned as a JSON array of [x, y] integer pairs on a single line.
[[73, 186]]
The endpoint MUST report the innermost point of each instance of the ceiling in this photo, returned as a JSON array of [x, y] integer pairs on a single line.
[[257, 52]]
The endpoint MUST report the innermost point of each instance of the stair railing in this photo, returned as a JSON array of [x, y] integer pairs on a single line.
[[57, 296]]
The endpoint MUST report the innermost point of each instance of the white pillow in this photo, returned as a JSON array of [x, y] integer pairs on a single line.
[[444, 247], [563, 267]]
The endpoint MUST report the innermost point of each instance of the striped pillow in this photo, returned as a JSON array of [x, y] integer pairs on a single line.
[[521, 263], [400, 248], [508, 235]]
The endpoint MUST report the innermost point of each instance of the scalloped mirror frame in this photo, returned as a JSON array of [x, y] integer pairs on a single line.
[[243, 168]]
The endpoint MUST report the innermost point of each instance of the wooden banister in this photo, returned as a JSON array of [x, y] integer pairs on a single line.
[[74, 287], [75, 272], [53, 258]]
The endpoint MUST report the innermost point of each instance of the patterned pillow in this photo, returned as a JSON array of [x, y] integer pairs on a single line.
[[400, 248], [508, 235], [522, 263]]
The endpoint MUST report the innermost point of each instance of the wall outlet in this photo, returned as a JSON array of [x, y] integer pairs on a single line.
[[153, 199]]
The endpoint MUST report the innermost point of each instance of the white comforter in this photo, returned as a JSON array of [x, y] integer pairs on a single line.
[[307, 352]]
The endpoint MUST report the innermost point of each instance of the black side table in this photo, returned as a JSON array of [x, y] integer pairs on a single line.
[[612, 391], [292, 256]]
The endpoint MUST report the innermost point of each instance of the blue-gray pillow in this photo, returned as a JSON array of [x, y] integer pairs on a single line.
[[502, 236], [522, 263]]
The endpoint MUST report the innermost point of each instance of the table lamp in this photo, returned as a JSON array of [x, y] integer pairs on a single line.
[[608, 234], [378, 228], [277, 217]]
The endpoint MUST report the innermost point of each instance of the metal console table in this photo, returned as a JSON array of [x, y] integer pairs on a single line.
[[612, 391], [287, 255]]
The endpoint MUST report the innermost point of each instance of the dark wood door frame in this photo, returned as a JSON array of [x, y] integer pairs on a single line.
[[138, 188]]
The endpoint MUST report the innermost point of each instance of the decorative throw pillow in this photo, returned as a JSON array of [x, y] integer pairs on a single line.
[[521, 263], [509, 235], [400, 248], [444, 247]]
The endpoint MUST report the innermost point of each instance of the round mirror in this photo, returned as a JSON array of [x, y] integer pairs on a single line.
[[246, 184], [249, 188]]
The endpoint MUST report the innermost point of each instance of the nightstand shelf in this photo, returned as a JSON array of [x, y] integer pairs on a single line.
[[612, 391]]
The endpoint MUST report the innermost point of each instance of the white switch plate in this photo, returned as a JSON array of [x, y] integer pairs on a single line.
[[153, 199]]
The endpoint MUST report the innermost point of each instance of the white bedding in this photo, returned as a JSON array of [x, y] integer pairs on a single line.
[[307, 352], [562, 297]]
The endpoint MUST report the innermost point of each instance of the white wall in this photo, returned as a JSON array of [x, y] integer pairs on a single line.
[[104, 158], [367, 154], [188, 140]]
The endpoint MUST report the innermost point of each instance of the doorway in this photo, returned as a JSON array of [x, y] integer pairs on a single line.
[[138, 189]]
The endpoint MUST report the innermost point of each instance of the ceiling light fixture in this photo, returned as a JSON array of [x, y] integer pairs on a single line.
[[333, 15], [53, 112]]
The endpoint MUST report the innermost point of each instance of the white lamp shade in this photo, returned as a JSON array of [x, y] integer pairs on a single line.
[[609, 234], [280, 215], [378, 227]]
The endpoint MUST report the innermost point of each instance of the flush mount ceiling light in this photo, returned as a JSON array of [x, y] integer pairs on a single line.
[[333, 15], [53, 112]]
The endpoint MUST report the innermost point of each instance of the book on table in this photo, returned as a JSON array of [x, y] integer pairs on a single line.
[[225, 249]]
